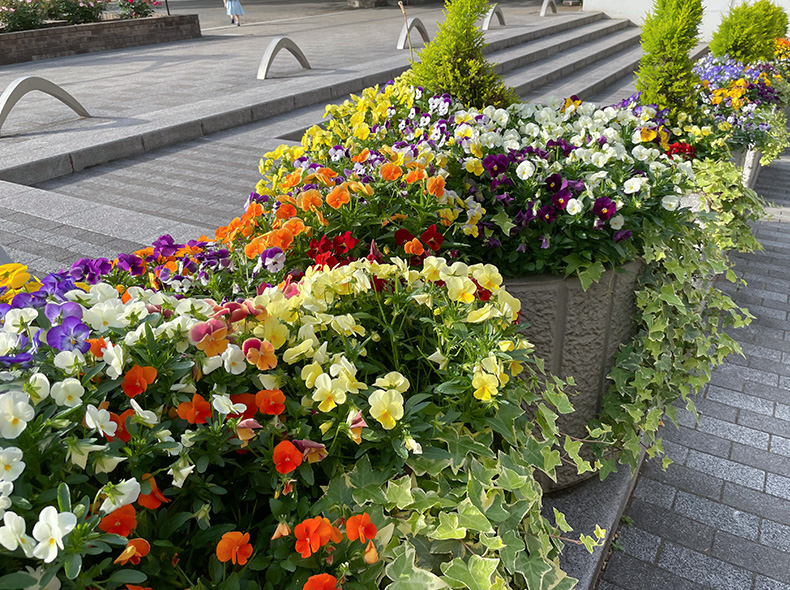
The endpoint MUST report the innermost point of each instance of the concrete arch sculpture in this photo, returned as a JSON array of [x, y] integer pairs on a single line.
[[412, 23], [21, 86], [274, 48], [495, 11], [546, 4]]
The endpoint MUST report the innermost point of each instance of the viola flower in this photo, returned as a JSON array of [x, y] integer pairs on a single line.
[[259, 353], [329, 393], [282, 530], [604, 208], [390, 171], [49, 531], [100, 420], [313, 451], [97, 346], [135, 550], [432, 238], [270, 401], [485, 386], [370, 556], [547, 213], [72, 334], [15, 413], [622, 236], [137, 380], [286, 457], [121, 521], [210, 336], [321, 582], [234, 547], [121, 432], [360, 527], [338, 197], [356, 422], [386, 407], [153, 499], [198, 411], [414, 247]]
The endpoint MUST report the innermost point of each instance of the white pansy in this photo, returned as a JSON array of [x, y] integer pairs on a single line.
[[165, 435], [120, 494], [15, 413], [180, 470], [38, 386], [686, 168], [104, 292], [224, 405], [135, 336], [49, 532], [100, 420], [525, 170], [68, 392], [115, 358], [105, 463], [79, 450], [670, 202], [617, 222], [412, 446], [7, 342], [187, 439], [574, 206], [6, 488], [105, 315], [269, 381], [600, 159], [233, 360], [18, 320], [13, 534], [69, 361], [142, 416], [634, 185], [210, 364], [133, 312]]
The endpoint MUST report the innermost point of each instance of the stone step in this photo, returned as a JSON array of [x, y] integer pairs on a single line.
[[558, 67], [499, 38], [533, 51]]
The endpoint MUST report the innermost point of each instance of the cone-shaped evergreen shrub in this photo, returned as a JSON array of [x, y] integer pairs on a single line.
[[669, 32], [453, 62], [748, 31]]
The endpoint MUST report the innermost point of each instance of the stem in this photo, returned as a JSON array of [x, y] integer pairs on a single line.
[[408, 33]]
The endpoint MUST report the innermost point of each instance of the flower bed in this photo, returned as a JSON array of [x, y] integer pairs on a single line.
[[38, 44]]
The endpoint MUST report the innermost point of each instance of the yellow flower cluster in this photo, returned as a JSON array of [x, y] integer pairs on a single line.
[[14, 279]]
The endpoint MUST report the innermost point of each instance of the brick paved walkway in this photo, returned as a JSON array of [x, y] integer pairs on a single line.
[[720, 516]]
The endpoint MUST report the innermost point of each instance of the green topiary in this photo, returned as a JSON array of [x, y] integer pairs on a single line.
[[748, 32], [669, 32], [453, 62]]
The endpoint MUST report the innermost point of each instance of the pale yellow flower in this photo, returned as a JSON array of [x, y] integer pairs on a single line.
[[329, 393], [461, 289], [386, 407], [486, 385]]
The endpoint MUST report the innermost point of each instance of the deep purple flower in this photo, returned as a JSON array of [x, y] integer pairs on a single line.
[[604, 208], [555, 183], [622, 235], [524, 216], [563, 144], [577, 186], [547, 213], [544, 242], [70, 335], [36, 300], [131, 264], [496, 164], [494, 243], [89, 270], [561, 198], [521, 248], [165, 246]]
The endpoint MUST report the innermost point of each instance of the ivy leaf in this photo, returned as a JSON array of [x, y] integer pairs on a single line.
[[470, 517], [534, 568], [504, 222], [562, 524], [399, 492], [405, 575], [510, 480], [476, 574], [551, 458], [449, 527]]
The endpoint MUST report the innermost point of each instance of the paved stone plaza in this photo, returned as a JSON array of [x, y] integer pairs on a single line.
[[719, 518]]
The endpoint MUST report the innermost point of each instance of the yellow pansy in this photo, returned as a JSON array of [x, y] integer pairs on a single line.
[[329, 393], [310, 373], [386, 407], [299, 352], [487, 276], [461, 289], [486, 312], [485, 385]]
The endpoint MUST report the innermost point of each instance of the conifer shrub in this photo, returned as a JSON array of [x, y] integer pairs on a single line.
[[748, 31], [669, 33], [454, 63]]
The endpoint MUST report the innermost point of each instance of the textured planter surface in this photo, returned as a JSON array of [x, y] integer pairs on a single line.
[[38, 44], [578, 333], [749, 162]]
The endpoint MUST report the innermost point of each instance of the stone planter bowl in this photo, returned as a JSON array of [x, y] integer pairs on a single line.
[[578, 333], [749, 162]]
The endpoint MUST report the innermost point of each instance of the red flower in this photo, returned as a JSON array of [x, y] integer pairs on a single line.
[[402, 236], [432, 238], [286, 457], [120, 431], [248, 399], [360, 527], [342, 244], [234, 547], [689, 152], [198, 411], [154, 499], [138, 379], [121, 521]]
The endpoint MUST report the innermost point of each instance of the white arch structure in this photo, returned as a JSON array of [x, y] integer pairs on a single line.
[[546, 4], [274, 48], [21, 86], [495, 11], [412, 23]]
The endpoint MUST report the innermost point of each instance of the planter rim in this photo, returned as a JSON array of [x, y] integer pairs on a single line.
[[549, 279]]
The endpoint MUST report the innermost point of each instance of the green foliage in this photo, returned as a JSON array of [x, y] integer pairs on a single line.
[[137, 8], [454, 63], [21, 15], [748, 31], [669, 32], [77, 12]]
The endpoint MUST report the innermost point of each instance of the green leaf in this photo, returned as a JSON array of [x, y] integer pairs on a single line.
[[64, 499], [471, 518], [562, 524], [72, 566], [16, 581], [399, 492], [449, 527], [551, 458], [127, 576], [405, 575], [504, 222], [476, 574]]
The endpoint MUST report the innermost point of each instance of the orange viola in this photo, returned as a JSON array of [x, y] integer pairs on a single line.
[[414, 247], [259, 353], [321, 582], [133, 587], [198, 411], [234, 547], [121, 521], [308, 537], [286, 457], [309, 200], [210, 336], [137, 380], [285, 211], [135, 550], [338, 197], [120, 431], [271, 402], [390, 171], [370, 556], [360, 527], [97, 346], [436, 186], [155, 498], [361, 156], [415, 175]]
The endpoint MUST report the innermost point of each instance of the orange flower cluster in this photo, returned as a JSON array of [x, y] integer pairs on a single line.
[[137, 380], [234, 547], [314, 533]]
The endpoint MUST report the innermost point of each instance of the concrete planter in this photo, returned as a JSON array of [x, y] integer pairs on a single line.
[[21, 46], [578, 333], [749, 162]]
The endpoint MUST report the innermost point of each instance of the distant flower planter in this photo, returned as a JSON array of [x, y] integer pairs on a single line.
[[59, 41], [749, 162], [578, 333]]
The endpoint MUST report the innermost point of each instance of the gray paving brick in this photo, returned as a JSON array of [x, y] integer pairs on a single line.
[[762, 504], [764, 423], [676, 452], [695, 439], [634, 574], [740, 400], [717, 515], [780, 445], [763, 583], [654, 492], [639, 543], [725, 469], [766, 392], [733, 432], [775, 535], [670, 525], [702, 569], [686, 479], [778, 485], [604, 585], [760, 459], [714, 409], [783, 413], [757, 558]]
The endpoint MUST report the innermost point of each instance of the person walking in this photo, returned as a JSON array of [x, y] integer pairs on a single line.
[[234, 11]]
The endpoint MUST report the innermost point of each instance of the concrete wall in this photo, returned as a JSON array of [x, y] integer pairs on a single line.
[[636, 9], [102, 36]]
